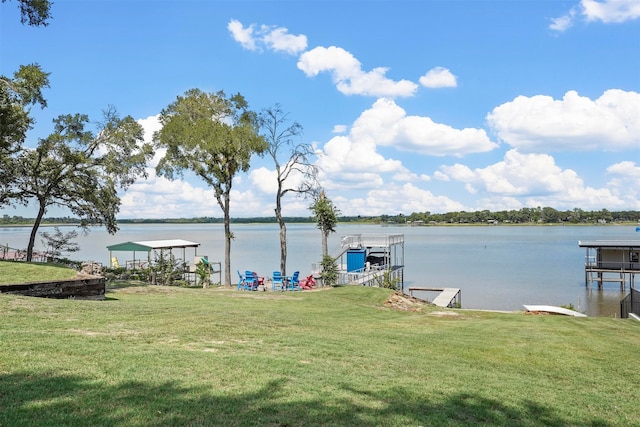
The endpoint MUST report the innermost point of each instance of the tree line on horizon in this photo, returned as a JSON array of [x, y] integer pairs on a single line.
[[520, 216]]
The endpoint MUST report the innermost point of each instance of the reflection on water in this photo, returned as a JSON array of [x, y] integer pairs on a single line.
[[605, 302]]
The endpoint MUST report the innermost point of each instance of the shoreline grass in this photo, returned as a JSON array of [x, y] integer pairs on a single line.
[[165, 356]]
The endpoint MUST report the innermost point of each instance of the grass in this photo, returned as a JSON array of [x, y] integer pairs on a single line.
[[12, 272], [167, 356]]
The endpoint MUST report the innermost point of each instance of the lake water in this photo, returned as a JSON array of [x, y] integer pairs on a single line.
[[496, 267]]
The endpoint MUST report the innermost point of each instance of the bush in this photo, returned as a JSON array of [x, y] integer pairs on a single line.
[[329, 271]]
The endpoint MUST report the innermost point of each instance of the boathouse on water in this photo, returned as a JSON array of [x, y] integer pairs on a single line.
[[370, 259], [611, 261]]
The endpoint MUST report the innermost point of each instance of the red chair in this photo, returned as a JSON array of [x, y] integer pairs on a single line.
[[308, 283]]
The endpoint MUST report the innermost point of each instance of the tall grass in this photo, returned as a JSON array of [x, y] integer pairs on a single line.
[[173, 356]]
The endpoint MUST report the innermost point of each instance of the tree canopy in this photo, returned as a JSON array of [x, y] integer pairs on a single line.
[[34, 12], [213, 137], [81, 171]]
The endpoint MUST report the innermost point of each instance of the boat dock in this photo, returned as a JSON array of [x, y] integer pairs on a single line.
[[448, 297]]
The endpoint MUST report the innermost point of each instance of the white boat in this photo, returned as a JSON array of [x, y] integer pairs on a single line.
[[552, 309]]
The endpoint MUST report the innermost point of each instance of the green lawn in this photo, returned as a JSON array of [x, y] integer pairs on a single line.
[[12, 272], [160, 356]]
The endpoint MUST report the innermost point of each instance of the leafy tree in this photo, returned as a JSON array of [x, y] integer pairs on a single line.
[[17, 94], [75, 169], [296, 174], [325, 214], [214, 137], [34, 12]]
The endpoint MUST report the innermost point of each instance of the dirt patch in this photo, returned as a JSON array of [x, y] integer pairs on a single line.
[[399, 301]]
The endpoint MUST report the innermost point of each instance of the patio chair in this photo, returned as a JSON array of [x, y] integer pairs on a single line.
[[293, 284], [250, 282], [307, 283], [259, 281], [277, 281], [241, 282]]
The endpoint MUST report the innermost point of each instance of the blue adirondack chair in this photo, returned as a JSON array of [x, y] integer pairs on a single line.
[[241, 282], [250, 281], [293, 284], [277, 281]]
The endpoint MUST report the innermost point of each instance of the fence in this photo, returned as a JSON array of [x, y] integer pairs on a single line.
[[630, 304]]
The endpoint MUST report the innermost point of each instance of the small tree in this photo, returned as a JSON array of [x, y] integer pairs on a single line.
[[296, 174], [59, 242], [329, 273], [326, 217], [214, 137]]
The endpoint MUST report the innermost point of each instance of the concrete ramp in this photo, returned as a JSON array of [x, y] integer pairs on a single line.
[[448, 297]]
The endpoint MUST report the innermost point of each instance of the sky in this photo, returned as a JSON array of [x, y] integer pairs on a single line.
[[410, 106]]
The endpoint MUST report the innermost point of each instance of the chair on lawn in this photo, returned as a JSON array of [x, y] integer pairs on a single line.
[[308, 283], [259, 281], [293, 284], [241, 282], [250, 282], [277, 281]]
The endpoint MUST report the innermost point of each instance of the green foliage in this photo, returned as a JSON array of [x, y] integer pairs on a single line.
[[214, 137], [82, 171], [203, 272], [167, 270], [386, 281], [329, 273], [325, 214], [34, 12]]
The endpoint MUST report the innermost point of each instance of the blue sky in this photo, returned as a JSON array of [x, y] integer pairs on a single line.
[[411, 106]]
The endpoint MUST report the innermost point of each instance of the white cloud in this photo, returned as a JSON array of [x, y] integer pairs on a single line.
[[393, 199], [151, 125], [606, 11], [346, 72], [563, 23], [540, 123], [339, 129], [625, 183], [535, 180], [438, 77], [387, 124], [277, 39], [611, 11], [242, 35]]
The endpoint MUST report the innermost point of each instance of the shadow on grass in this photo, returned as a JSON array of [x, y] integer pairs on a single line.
[[55, 400]]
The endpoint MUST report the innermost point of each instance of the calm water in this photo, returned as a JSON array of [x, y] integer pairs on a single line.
[[496, 267]]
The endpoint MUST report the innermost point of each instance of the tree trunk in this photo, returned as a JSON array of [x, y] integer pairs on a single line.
[[34, 231], [325, 249], [227, 241], [283, 235]]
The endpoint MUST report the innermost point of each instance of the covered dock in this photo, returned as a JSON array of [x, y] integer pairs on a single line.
[[616, 261], [142, 251]]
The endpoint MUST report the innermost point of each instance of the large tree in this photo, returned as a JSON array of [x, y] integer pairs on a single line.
[[294, 171], [17, 95], [214, 137], [76, 169]]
